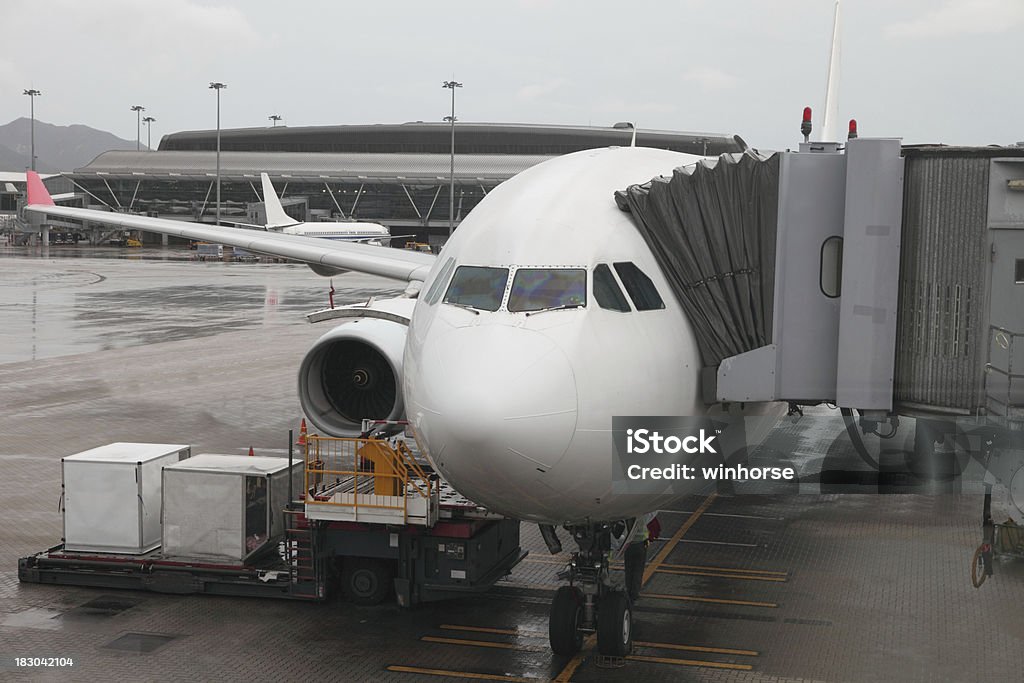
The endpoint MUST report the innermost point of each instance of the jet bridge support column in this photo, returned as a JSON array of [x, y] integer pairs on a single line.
[[871, 266]]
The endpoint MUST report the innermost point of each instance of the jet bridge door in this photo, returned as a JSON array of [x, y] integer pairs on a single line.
[[1004, 377]]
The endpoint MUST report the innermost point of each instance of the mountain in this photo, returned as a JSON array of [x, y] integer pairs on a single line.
[[12, 161], [58, 148]]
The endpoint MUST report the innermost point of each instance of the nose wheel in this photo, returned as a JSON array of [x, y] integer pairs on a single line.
[[566, 620], [590, 604]]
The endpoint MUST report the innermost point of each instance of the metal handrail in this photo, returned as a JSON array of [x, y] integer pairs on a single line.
[[342, 457], [1005, 338]]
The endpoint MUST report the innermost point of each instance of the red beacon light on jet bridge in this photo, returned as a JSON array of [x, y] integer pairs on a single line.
[[852, 134], [805, 125]]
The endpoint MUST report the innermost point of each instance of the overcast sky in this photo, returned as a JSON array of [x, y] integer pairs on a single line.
[[924, 70]]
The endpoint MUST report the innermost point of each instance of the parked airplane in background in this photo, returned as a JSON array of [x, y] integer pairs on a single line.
[[347, 231]]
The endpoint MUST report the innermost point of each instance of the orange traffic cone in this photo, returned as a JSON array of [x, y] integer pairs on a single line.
[[302, 433], [250, 452]]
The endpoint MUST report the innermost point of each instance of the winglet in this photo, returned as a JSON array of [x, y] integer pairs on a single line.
[[37, 193], [276, 217]]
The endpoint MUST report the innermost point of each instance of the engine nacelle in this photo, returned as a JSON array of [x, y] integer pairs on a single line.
[[354, 372]]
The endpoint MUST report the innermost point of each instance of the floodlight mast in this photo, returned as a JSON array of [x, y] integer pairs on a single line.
[[218, 87], [32, 93], [452, 85]]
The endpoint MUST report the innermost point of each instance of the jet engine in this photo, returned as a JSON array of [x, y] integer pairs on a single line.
[[354, 372]]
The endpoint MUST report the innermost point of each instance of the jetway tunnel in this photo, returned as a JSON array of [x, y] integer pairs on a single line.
[[883, 279]]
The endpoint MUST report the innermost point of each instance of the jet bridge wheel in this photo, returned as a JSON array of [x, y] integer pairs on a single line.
[[564, 621], [366, 580], [615, 625]]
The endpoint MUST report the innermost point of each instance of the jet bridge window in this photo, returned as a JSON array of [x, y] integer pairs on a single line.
[[538, 289], [639, 287], [477, 287], [606, 290]]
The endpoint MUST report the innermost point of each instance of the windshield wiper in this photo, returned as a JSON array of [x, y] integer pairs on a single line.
[[554, 308], [465, 306]]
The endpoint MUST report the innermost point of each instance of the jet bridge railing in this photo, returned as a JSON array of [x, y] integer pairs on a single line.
[[1004, 378], [367, 479]]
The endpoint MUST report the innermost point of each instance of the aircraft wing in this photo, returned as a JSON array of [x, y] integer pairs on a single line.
[[322, 255]]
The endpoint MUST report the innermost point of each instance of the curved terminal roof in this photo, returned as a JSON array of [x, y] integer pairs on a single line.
[[434, 138], [352, 167]]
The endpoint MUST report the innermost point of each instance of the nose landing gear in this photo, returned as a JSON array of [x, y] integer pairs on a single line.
[[590, 604]]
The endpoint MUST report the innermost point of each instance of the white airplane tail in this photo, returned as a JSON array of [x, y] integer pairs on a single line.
[[276, 217], [830, 123]]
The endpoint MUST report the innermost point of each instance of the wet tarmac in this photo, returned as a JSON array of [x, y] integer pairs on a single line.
[[65, 300], [811, 585]]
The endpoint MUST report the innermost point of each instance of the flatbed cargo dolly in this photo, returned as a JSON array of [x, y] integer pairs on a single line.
[[371, 521]]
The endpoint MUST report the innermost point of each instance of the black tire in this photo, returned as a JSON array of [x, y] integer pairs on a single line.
[[615, 625], [978, 573], [366, 580], [563, 623]]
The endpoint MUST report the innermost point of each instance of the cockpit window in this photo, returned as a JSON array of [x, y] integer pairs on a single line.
[[639, 287], [439, 282], [477, 287], [606, 290], [538, 289]]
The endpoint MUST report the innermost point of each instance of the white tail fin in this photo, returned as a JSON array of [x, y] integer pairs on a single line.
[[276, 217], [830, 123]]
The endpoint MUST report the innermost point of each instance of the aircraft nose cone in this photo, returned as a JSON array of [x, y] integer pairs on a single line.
[[495, 399]]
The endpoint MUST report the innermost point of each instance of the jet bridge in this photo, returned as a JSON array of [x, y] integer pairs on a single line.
[[879, 278]]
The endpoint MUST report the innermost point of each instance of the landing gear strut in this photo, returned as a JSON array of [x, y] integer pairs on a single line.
[[589, 604]]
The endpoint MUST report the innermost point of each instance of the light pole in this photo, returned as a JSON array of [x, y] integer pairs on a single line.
[[218, 87], [138, 109], [275, 118], [32, 92], [452, 85], [148, 120]]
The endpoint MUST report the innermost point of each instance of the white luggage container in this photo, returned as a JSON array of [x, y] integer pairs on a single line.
[[225, 506], [111, 496]]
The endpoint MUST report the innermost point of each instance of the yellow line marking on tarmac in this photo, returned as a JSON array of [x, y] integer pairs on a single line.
[[722, 575], [722, 514], [717, 601], [697, 648], [690, 662], [483, 643], [458, 674], [731, 570], [542, 634], [676, 537], [499, 631], [566, 675], [545, 560], [588, 644]]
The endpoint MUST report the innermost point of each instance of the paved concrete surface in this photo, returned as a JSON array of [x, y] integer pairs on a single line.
[[795, 586]]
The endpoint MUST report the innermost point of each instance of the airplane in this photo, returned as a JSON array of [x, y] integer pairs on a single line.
[[543, 316], [349, 231]]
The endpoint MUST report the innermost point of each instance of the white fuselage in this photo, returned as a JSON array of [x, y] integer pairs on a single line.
[[347, 232], [515, 410]]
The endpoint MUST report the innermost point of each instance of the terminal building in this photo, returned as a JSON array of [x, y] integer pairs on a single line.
[[394, 174]]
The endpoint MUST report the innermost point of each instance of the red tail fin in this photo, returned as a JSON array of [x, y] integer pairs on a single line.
[[37, 193]]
